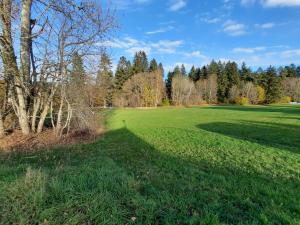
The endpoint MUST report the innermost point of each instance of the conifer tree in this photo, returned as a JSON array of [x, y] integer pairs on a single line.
[[271, 84], [140, 63], [192, 74], [161, 68], [232, 73], [123, 72], [153, 65], [77, 73], [204, 73], [223, 84], [183, 70], [105, 80], [212, 68]]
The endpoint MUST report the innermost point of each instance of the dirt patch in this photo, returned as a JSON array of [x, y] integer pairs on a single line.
[[18, 142]]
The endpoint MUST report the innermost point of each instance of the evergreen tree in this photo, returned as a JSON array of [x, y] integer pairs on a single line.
[[105, 79], [140, 63], [223, 84], [271, 84], [161, 68], [183, 70], [283, 72], [203, 73], [123, 72], [298, 71], [153, 65], [169, 84], [77, 74], [292, 70], [213, 68], [232, 73], [192, 74], [246, 73]]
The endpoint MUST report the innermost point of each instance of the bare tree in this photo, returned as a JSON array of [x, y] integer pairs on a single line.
[[43, 69], [291, 87], [141, 90], [182, 89]]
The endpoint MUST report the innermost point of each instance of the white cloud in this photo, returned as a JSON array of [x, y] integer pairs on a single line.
[[233, 28], [131, 45], [166, 46], [196, 54], [176, 5], [272, 3], [133, 50], [211, 20], [291, 53], [280, 3], [248, 50], [265, 25], [161, 30]]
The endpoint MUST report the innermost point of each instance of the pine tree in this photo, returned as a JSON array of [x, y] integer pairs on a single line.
[[271, 84], [105, 80], [292, 70], [298, 71], [283, 72], [153, 65], [212, 68], [246, 73], [77, 74], [161, 68], [183, 70], [232, 73], [223, 84], [192, 74], [204, 73], [123, 72], [169, 84], [140, 63]]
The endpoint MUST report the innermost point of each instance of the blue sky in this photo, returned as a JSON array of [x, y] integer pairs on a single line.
[[193, 32]]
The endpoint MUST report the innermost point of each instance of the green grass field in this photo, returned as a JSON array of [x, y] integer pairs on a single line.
[[199, 165]]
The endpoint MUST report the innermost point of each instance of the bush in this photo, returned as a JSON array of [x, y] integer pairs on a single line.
[[261, 94], [285, 99], [242, 101], [165, 102]]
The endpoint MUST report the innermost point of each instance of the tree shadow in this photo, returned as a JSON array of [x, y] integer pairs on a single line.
[[121, 179], [292, 110], [282, 136]]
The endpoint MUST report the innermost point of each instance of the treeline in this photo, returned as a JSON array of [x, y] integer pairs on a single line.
[[141, 84]]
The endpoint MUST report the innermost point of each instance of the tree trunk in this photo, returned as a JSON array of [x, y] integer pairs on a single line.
[[42, 119], [36, 107], [10, 62], [2, 131], [25, 41]]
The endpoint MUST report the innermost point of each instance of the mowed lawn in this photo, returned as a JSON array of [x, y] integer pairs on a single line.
[[198, 165]]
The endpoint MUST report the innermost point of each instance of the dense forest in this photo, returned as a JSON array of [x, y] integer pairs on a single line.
[[141, 84]]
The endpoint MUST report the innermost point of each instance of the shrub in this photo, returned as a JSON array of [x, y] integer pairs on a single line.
[[165, 102], [261, 94], [242, 101], [285, 99]]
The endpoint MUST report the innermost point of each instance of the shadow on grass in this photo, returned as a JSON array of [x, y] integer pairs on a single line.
[[282, 136], [291, 110], [121, 179]]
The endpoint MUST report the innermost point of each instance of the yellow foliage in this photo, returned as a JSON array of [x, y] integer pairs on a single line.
[[285, 99], [242, 101], [261, 94]]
